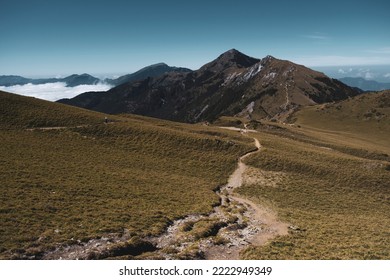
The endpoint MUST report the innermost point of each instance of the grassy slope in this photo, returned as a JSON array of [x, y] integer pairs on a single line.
[[27, 112], [335, 187], [364, 119], [82, 182], [140, 173]]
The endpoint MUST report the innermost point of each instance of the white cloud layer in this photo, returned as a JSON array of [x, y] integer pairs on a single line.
[[54, 91]]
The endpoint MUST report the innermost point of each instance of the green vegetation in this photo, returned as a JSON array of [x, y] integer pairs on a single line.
[[84, 179]]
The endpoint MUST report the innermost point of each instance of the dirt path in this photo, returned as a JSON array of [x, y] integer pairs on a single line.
[[245, 223], [262, 222], [232, 226], [56, 127]]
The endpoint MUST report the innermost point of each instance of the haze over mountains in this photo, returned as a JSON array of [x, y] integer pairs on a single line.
[[232, 84], [365, 84]]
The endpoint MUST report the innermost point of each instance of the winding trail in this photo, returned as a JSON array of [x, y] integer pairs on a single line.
[[233, 225], [246, 223], [262, 221]]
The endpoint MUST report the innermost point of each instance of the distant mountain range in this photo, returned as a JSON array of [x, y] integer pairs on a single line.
[[71, 81], [232, 84], [86, 79], [367, 85], [154, 70]]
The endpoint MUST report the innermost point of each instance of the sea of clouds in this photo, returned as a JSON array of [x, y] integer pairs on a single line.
[[54, 91]]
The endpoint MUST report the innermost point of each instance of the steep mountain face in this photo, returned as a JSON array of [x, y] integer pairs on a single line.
[[71, 81], [154, 70], [365, 84], [232, 84]]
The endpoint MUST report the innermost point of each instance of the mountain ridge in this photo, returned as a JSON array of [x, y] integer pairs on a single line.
[[71, 81], [232, 84], [153, 70]]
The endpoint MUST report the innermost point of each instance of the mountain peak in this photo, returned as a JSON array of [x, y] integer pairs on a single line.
[[158, 65], [153, 70], [84, 75], [235, 56], [268, 57], [230, 58], [232, 52]]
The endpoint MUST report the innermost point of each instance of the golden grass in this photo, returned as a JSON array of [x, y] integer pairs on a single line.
[[28, 112], [364, 119], [335, 196], [137, 175], [134, 174]]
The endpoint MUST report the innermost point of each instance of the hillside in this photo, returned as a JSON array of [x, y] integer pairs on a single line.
[[365, 117], [332, 188], [233, 84], [327, 174], [20, 112], [74, 186], [67, 177]]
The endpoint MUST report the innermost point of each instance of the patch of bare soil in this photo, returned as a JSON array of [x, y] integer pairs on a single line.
[[262, 223], [244, 222], [55, 127]]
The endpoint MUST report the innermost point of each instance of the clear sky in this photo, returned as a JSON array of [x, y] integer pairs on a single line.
[[49, 38]]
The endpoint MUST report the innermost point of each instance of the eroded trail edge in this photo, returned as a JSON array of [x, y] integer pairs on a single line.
[[233, 225]]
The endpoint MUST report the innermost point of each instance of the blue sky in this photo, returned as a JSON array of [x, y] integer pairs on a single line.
[[49, 38]]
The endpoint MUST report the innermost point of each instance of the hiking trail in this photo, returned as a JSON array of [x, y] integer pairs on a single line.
[[232, 226]]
